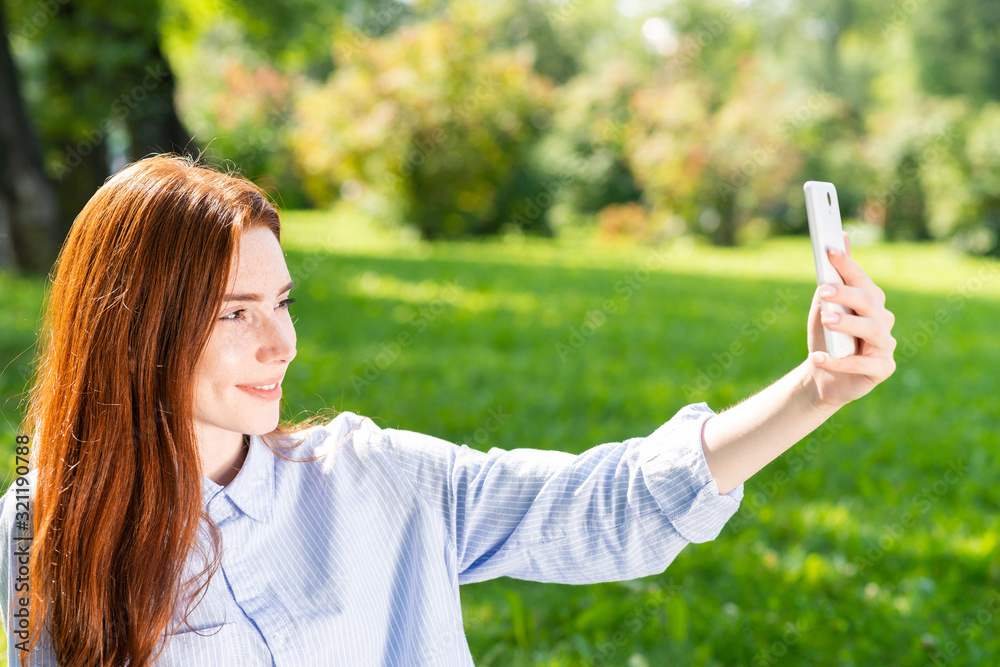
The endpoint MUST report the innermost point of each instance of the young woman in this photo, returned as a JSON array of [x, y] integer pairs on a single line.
[[175, 520]]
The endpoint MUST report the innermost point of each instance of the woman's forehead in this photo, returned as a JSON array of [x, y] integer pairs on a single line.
[[259, 262]]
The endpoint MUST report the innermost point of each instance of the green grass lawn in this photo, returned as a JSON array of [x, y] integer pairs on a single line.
[[874, 542]]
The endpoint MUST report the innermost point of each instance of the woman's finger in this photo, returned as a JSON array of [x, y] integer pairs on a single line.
[[862, 301], [864, 328], [849, 270], [876, 367], [847, 244]]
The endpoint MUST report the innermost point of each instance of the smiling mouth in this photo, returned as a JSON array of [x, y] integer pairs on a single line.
[[268, 392]]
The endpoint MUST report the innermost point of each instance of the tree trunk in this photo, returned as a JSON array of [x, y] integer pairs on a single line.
[[29, 211], [125, 112], [725, 233], [155, 126]]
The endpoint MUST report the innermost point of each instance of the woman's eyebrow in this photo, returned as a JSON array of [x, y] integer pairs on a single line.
[[256, 297]]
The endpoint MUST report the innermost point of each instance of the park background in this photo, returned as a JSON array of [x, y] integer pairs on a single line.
[[553, 224]]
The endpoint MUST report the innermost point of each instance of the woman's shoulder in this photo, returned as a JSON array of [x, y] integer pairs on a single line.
[[371, 443], [347, 430]]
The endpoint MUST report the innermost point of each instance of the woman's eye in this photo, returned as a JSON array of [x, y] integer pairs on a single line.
[[239, 314]]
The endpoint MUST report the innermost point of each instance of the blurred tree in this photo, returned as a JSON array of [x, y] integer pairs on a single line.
[[713, 38], [241, 110], [555, 50], [262, 54], [566, 39], [957, 46], [955, 160], [934, 166], [125, 110], [833, 45], [28, 206], [430, 117], [850, 51], [719, 161], [586, 139], [978, 228]]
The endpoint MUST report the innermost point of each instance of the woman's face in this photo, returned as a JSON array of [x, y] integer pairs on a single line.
[[251, 345]]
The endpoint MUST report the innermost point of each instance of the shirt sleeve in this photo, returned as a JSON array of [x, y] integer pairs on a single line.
[[12, 551], [617, 511]]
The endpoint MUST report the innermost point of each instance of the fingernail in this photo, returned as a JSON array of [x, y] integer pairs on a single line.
[[829, 318], [827, 290], [835, 252], [818, 357]]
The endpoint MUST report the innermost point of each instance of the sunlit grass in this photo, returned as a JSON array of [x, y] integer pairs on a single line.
[[874, 542]]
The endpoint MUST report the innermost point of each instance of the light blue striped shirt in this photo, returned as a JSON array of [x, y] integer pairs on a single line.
[[356, 558]]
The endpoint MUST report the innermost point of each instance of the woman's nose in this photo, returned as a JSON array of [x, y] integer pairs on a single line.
[[279, 341]]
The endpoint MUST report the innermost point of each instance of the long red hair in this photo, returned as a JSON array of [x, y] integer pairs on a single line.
[[118, 497]]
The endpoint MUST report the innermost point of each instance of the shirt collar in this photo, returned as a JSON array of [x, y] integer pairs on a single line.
[[252, 490]]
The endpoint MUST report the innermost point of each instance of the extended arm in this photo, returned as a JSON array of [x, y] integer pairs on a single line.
[[743, 439]]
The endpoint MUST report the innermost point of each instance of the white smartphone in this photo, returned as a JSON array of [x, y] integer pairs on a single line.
[[823, 212]]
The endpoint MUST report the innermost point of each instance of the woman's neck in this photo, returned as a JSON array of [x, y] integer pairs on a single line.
[[224, 458]]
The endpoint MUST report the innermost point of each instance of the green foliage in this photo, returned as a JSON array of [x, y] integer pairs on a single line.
[[586, 140], [464, 118], [821, 565], [715, 159], [241, 107], [936, 173], [63, 44], [958, 47], [432, 119]]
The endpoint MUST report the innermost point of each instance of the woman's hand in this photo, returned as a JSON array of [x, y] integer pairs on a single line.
[[839, 381], [743, 439]]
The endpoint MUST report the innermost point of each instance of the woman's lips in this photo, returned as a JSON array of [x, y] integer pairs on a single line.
[[265, 394]]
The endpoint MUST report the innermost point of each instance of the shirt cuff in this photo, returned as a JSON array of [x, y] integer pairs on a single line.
[[677, 475]]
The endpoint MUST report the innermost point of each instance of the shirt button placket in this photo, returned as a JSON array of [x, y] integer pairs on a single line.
[[278, 639], [276, 628]]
